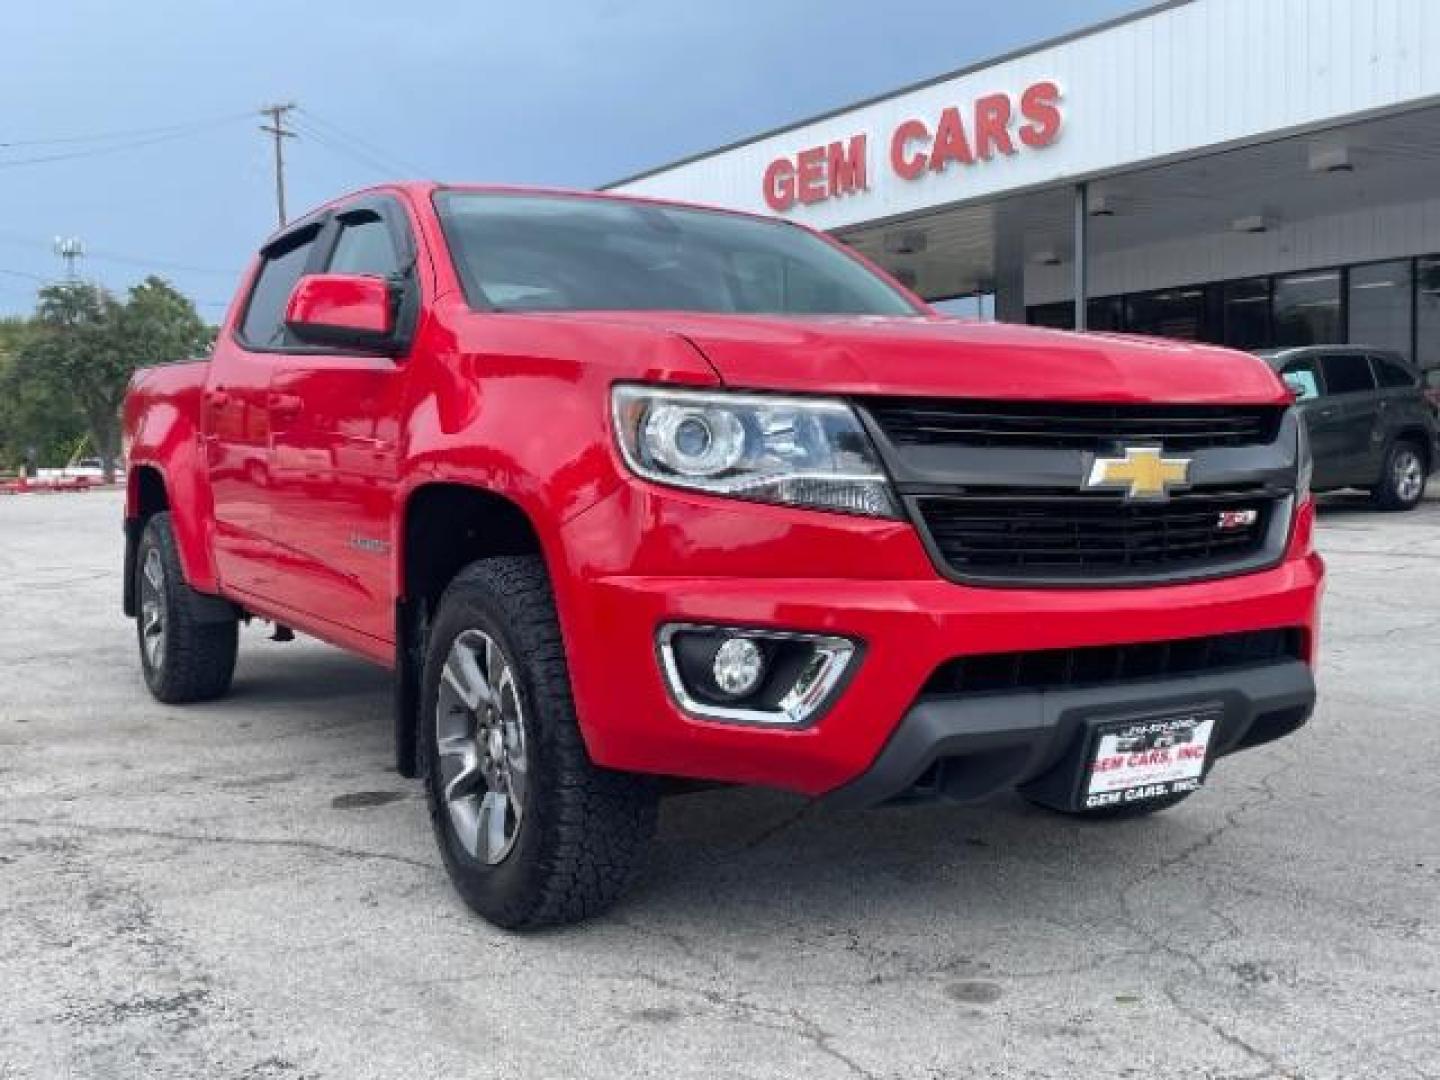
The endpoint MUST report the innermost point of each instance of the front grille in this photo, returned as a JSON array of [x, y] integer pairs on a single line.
[[1072, 425], [1035, 533], [1099, 665]]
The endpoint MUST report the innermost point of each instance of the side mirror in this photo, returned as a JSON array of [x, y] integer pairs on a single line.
[[347, 311]]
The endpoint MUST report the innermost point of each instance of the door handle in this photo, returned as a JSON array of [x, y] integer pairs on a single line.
[[285, 406], [1328, 414], [219, 397]]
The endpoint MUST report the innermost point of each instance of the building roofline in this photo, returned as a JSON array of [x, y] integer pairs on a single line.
[[994, 61]]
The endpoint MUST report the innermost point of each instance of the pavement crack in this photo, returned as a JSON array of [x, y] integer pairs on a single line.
[[785, 823], [788, 1021], [335, 850], [1194, 957]]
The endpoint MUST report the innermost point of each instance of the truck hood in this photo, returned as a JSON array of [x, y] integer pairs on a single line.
[[943, 357]]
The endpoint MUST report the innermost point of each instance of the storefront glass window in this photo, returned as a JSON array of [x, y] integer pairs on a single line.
[[1172, 313], [1427, 316], [1307, 308], [1380, 305], [1247, 313], [1105, 313], [1055, 316]]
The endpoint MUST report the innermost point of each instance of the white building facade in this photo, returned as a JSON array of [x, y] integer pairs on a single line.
[[1253, 172]]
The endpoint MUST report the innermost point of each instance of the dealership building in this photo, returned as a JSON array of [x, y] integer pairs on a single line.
[[1252, 172]]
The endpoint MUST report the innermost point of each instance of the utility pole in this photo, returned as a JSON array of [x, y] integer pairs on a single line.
[[276, 127]]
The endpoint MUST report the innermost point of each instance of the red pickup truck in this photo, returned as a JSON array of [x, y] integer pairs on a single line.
[[631, 494]]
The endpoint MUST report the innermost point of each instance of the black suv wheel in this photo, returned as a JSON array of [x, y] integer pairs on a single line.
[[1402, 481]]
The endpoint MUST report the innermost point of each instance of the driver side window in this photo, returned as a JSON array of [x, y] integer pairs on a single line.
[[263, 325], [365, 246]]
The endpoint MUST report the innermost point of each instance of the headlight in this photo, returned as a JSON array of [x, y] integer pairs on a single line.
[[798, 451]]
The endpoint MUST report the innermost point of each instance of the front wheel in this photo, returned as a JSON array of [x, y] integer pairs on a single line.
[[1402, 481], [531, 832], [186, 653]]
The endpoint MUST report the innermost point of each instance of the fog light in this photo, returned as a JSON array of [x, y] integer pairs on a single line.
[[753, 675], [739, 666]]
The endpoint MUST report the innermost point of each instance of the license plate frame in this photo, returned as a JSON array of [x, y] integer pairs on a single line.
[[1141, 758]]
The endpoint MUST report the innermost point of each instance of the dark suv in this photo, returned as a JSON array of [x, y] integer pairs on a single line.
[[1369, 422]]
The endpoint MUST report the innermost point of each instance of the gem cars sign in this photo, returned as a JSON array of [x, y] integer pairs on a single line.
[[995, 124]]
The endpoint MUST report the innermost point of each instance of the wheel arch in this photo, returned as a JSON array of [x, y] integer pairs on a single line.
[[1416, 434], [145, 496], [168, 471], [443, 527]]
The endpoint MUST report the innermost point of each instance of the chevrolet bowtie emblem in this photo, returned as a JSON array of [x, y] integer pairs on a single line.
[[1143, 473]]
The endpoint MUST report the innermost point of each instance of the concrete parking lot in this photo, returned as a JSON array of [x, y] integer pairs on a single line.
[[245, 889]]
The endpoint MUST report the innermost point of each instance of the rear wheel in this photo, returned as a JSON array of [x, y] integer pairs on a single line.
[[186, 652], [1402, 481], [531, 832]]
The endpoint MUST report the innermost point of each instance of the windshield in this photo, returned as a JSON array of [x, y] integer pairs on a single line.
[[571, 253]]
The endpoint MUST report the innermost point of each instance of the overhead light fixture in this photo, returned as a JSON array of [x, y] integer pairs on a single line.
[[1330, 158], [1046, 257], [906, 243], [1102, 205], [1255, 223]]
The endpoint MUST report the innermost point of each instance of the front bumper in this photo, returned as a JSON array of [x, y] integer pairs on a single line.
[[969, 748], [701, 561]]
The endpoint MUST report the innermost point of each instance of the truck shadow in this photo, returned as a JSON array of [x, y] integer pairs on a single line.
[[751, 855], [304, 673], [741, 857]]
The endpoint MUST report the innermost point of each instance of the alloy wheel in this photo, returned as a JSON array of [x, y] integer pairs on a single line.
[[480, 735], [1409, 475], [152, 609]]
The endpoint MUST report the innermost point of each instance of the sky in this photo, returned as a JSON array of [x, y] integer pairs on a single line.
[[134, 125]]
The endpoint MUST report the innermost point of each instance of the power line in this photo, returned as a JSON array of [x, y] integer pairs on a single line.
[[15, 239], [114, 148], [371, 150], [349, 153], [110, 136], [160, 264]]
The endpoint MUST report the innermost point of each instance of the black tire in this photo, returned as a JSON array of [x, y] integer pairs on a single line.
[[584, 831], [1403, 477], [1123, 812], [194, 659]]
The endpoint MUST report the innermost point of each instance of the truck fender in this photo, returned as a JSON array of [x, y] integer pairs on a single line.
[[167, 471]]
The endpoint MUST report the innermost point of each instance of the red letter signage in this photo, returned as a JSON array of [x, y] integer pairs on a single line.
[[1038, 105], [846, 166], [817, 174], [969, 136], [908, 166], [780, 185]]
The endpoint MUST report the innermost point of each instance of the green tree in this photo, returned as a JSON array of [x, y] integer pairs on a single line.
[[32, 416], [83, 345]]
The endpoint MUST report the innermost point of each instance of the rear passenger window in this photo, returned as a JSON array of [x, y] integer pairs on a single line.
[[1346, 374], [264, 323], [1392, 376], [365, 247]]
